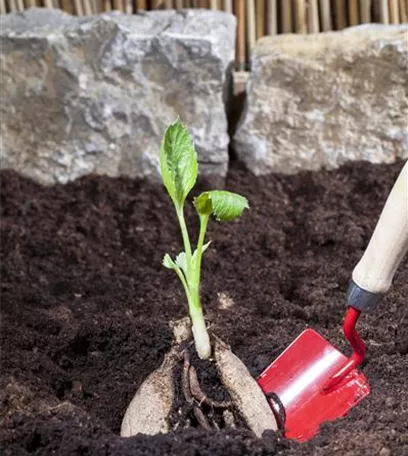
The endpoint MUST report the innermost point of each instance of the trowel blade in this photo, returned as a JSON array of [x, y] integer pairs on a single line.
[[294, 385]]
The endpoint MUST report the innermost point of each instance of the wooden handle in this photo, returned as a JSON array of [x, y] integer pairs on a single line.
[[389, 242]]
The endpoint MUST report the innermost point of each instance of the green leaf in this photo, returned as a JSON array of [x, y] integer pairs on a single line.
[[181, 261], [222, 204], [168, 262], [178, 162]]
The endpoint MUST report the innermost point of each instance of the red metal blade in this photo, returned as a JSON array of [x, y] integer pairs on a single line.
[[297, 378]]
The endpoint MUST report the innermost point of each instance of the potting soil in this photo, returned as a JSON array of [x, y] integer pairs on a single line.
[[86, 305]]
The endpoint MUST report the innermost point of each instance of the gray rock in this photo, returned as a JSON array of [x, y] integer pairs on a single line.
[[318, 101], [95, 94]]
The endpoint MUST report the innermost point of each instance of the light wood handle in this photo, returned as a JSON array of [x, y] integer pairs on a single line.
[[389, 242]]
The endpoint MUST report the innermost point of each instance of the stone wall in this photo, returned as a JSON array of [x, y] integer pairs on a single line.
[[84, 95], [320, 100], [95, 94]]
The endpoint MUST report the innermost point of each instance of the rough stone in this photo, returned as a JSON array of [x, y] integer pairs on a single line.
[[317, 101], [94, 94]]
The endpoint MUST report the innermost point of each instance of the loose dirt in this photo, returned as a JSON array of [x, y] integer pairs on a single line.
[[85, 306]]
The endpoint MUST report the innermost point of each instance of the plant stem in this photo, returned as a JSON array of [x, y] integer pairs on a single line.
[[200, 243], [200, 333], [191, 283], [184, 233]]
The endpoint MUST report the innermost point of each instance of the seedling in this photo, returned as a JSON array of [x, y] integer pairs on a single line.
[[152, 405], [178, 163]]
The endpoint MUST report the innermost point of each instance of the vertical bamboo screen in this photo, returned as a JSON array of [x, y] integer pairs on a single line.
[[256, 18]]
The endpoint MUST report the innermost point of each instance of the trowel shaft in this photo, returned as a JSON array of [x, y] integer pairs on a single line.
[[373, 275]]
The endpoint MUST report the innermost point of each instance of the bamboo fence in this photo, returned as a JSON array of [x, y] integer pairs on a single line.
[[256, 18]]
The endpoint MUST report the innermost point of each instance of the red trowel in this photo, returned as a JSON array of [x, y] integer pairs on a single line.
[[312, 382]]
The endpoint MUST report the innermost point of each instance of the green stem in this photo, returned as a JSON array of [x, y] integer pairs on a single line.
[[184, 234], [185, 285], [200, 243]]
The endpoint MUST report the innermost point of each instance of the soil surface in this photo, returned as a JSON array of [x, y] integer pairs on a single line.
[[85, 306]]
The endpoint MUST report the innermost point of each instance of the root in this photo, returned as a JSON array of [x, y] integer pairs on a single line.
[[192, 392], [186, 378], [198, 413], [197, 392]]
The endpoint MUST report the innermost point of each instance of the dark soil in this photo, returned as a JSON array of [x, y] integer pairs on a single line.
[[86, 305]]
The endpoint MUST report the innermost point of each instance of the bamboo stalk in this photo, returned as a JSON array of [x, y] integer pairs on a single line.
[[78, 8], [214, 4], [67, 6], [179, 4], [313, 16], [168, 4], [353, 12], [272, 18], [3, 7], [394, 11], [48, 4], [251, 26], [300, 9], [403, 11], [228, 6], [129, 6], [286, 11], [340, 14], [97, 6], [326, 15], [29, 3], [87, 7], [239, 8], [260, 14], [384, 16], [202, 4], [118, 5], [107, 6], [365, 11]]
